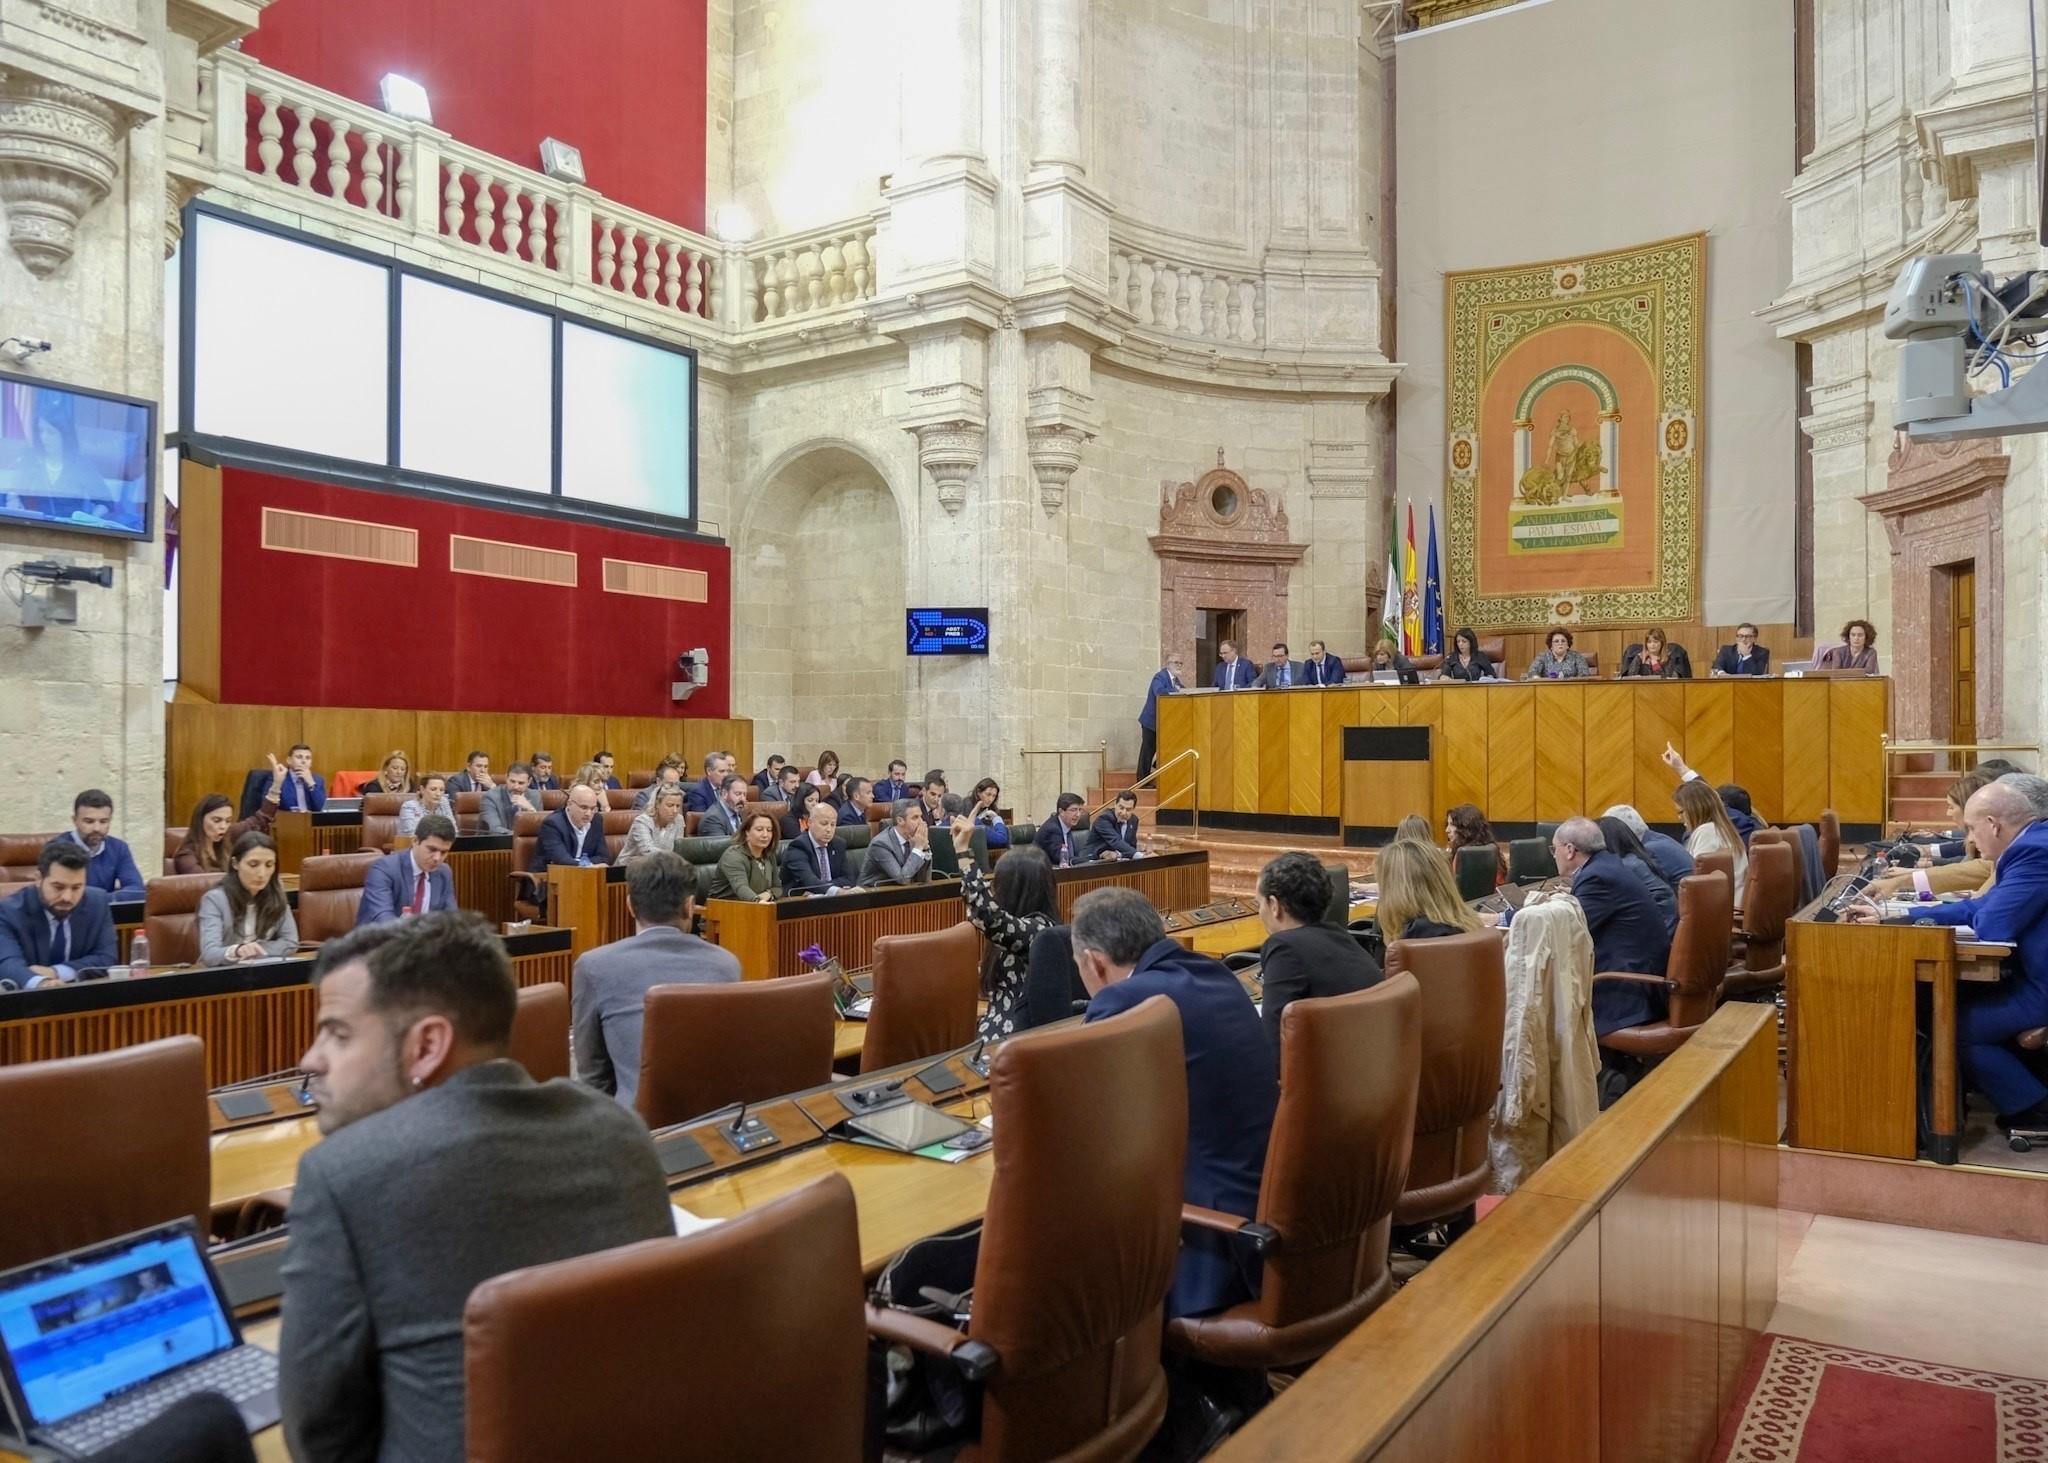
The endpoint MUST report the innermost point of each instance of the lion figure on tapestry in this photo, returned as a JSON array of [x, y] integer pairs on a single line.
[[1568, 466]]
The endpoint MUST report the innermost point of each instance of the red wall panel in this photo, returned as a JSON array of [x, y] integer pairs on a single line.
[[622, 81], [313, 631]]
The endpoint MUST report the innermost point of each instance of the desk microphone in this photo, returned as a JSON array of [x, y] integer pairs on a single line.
[[1832, 910], [738, 1122], [977, 1062]]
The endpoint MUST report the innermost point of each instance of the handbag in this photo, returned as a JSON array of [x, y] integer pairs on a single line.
[[928, 1403]]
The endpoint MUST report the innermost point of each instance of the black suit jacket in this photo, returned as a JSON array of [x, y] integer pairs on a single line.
[[1729, 662], [25, 935], [1312, 961], [800, 866], [1051, 833], [557, 842], [1112, 836], [1628, 934]]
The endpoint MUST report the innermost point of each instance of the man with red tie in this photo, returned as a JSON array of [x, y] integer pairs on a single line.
[[413, 880]]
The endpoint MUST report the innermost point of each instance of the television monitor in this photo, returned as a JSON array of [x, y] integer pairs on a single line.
[[74, 459], [947, 632]]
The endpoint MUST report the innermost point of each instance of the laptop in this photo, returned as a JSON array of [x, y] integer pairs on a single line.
[[96, 1343]]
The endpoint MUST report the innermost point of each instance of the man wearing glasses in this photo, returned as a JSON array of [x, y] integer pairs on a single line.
[[1745, 657]]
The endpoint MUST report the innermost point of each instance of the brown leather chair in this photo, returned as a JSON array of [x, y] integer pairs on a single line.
[[330, 893], [617, 797], [617, 824], [1350, 1067], [638, 780], [529, 890], [1773, 895], [748, 1342], [1830, 830], [380, 820], [469, 812], [174, 839], [1692, 975], [1722, 863], [540, 1031], [170, 916], [925, 990], [1066, 1332], [18, 855], [703, 1046], [1464, 1015], [102, 1145], [552, 798]]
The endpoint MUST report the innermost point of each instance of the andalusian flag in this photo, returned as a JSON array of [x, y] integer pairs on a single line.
[[1390, 603], [1432, 598], [1411, 596]]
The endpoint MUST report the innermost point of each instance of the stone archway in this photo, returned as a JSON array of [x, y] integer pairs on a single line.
[[818, 570]]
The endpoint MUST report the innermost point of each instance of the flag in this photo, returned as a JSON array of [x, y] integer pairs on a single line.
[[1411, 596], [1390, 603], [1432, 598]]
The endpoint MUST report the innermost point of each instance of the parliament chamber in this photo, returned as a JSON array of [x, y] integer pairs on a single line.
[[776, 730]]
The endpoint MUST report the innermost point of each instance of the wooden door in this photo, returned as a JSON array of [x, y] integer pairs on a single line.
[[1962, 657]]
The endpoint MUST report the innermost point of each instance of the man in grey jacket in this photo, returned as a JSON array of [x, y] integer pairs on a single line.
[[612, 981], [444, 1165], [722, 818], [500, 808], [901, 853]]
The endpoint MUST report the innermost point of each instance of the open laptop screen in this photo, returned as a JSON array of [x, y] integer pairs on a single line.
[[78, 1329]]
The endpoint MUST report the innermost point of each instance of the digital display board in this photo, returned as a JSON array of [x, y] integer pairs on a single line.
[[947, 632]]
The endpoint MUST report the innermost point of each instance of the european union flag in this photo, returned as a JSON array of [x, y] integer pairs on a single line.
[[1432, 598]]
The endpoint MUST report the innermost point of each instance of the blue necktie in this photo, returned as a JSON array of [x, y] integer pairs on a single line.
[[824, 865], [60, 942]]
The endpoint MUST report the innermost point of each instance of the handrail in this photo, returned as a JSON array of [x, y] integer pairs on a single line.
[[1100, 752], [1194, 803], [1888, 749]]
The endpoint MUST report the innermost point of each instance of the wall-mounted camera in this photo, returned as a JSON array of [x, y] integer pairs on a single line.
[[47, 596], [693, 669], [18, 348]]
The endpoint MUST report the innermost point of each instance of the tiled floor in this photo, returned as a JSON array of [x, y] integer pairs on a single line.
[[1984, 1144], [1920, 1293]]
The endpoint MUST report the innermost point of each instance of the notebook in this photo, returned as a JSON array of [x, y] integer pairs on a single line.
[[97, 1342]]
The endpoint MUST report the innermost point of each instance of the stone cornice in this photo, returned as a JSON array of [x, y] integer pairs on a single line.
[[1967, 130], [1844, 425], [1186, 546], [1816, 307], [1928, 475], [1247, 368]]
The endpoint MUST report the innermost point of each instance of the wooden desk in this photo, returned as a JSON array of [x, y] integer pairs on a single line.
[[1542, 751], [255, 1019], [1852, 1076], [590, 903]]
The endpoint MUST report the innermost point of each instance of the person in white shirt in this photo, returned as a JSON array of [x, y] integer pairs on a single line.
[[433, 802]]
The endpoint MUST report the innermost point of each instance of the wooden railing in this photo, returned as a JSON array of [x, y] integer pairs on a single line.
[[1602, 1312]]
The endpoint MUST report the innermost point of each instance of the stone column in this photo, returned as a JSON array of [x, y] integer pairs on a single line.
[[1059, 78], [1345, 525]]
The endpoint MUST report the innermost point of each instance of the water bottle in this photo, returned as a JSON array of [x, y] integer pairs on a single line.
[[1066, 856], [138, 954]]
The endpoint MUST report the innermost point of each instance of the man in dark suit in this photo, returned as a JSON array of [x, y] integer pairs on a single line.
[[1124, 956], [499, 809], [572, 833], [612, 981], [811, 862], [703, 794], [1165, 682], [896, 785], [1114, 833], [61, 926], [1628, 932], [770, 777], [604, 763], [1280, 672], [413, 880], [304, 790], [1303, 956], [544, 779], [475, 775], [1056, 834], [1322, 668], [902, 852], [111, 863], [722, 818], [2007, 829], [391, 1229], [1745, 657], [1233, 671]]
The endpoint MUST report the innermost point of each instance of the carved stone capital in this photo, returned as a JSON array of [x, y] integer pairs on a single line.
[[950, 452], [1055, 458], [60, 150], [179, 190]]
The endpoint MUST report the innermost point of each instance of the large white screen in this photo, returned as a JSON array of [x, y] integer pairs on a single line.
[[291, 344], [475, 380], [625, 423]]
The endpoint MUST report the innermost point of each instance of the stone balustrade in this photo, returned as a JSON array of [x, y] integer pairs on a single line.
[[1175, 295], [802, 274]]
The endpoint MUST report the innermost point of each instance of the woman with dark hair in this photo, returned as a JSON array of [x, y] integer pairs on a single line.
[[1466, 827], [799, 812], [826, 773], [1009, 915], [1467, 662], [245, 916], [749, 869], [1657, 656], [981, 811], [1857, 652], [1558, 661], [213, 832], [1624, 845]]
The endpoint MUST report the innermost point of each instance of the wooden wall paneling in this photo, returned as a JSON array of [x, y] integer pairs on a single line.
[[1744, 1127], [1464, 751], [1561, 753], [1858, 714], [1341, 709], [1306, 792], [199, 576], [570, 739], [212, 748], [1610, 756], [1424, 706], [347, 739], [1245, 752], [448, 737], [1807, 743], [639, 742], [1214, 737], [1709, 740], [1511, 752], [1659, 719], [697, 737], [1849, 1003], [1759, 754], [1184, 723], [1276, 747]]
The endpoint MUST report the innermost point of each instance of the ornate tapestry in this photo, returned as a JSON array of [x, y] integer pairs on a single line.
[[1572, 459]]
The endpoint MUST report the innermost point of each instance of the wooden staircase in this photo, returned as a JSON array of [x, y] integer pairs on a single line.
[[1235, 857], [1919, 792]]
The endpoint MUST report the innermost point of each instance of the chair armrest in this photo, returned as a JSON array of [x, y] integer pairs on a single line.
[[1256, 1237], [975, 1359], [1635, 976]]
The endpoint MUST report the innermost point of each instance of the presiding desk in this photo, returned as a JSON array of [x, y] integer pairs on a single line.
[[1540, 751], [1851, 1004]]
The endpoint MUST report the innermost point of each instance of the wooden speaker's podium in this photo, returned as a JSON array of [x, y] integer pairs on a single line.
[[1389, 772], [294, 835]]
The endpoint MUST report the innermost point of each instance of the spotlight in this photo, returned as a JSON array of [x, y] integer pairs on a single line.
[[404, 97], [559, 160]]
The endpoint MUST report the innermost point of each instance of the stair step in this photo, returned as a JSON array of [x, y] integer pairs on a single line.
[[1921, 784], [1920, 812]]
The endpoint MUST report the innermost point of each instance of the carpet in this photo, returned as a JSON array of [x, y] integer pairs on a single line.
[[1805, 1402]]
